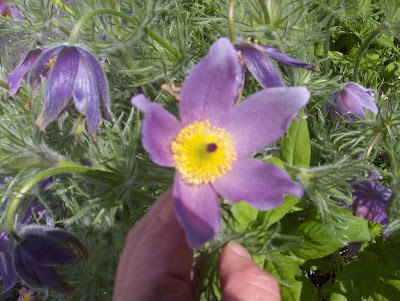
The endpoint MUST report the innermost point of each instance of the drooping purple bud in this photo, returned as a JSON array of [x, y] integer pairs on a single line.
[[41, 250], [350, 101]]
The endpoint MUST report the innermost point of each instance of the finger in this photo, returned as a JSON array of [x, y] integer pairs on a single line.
[[156, 261], [242, 279]]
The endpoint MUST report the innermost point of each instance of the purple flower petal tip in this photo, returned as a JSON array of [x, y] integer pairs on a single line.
[[350, 101], [209, 147], [72, 73], [17, 75], [256, 59]]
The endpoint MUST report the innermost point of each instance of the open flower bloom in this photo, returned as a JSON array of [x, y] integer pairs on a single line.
[[25, 295], [211, 144], [17, 75], [256, 59], [10, 10], [72, 73], [41, 250], [350, 101]]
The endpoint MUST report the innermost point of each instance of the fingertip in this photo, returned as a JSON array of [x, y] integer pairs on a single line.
[[242, 279]]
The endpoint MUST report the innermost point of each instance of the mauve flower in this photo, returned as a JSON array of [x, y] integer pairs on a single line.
[[25, 295], [256, 59], [10, 10], [211, 144], [41, 250], [72, 73], [16, 76], [350, 101]]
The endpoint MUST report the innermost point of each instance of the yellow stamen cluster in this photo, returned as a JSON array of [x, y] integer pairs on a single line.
[[26, 297], [5, 13], [203, 152], [50, 63]]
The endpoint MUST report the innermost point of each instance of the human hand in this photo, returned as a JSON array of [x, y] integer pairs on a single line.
[[156, 264]]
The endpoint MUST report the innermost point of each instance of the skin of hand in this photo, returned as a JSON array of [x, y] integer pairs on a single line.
[[156, 263]]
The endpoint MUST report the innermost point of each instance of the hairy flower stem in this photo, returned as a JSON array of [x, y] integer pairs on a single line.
[[132, 19], [230, 21], [381, 28], [61, 167], [371, 145], [267, 19], [61, 5]]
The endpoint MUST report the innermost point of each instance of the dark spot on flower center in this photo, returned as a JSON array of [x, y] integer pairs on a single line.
[[211, 147]]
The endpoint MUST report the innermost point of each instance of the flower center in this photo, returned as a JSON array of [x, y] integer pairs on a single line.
[[203, 152], [5, 13], [50, 63], [26, 297]]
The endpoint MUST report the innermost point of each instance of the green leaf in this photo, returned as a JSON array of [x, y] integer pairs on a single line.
[[373, 276], [294, 286], [321, 239], [244, 214], [392, 71], [295, 145], [267, 218], [385, 40]]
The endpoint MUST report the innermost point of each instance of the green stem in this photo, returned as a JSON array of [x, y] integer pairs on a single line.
[[267, 19], [230, 21], [371, 145], [61, 5], [384, 26], [132, 19], [62, 167], [328, 41]]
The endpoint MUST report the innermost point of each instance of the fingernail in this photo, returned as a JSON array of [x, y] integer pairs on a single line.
[[238, 249]]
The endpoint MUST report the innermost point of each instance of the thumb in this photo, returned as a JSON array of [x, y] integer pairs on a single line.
[[242, 279]]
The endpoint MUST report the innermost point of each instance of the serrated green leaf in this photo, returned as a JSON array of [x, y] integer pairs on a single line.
[[321, 239], [295, 146], [267, 218], [292, 282], [244, 214], [373, 276]]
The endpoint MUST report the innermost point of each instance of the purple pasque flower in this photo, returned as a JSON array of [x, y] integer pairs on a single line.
[[40, 251], [350, 101], [370, 199], [17, 75], [73, 73], [10, 10], [211, 144], [256, 60]]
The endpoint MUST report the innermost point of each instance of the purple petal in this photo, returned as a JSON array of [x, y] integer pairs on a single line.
[[86, 96], [8, 273], [49, 277], [211, 89], [16, 76], [260, 184], [23, 268], [159, 129], [197, 210], [3, 242], [15, 12], [259, 65], [101, 82], [46, 251], [264, 117], [59, 85], [285, 59], [348, 105], [3, 7], [370, 199], [41, 67], [363, 96]]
